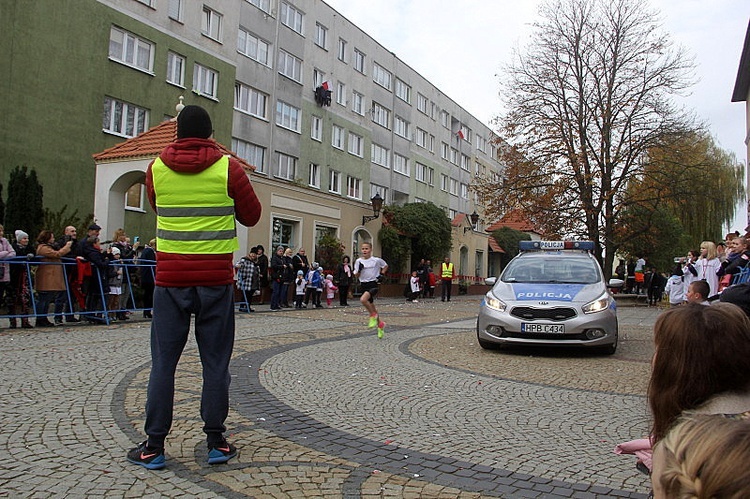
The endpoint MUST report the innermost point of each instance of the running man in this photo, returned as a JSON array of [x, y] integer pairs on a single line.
[[369, 270]]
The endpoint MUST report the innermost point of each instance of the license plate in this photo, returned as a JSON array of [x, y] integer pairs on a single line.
[[527, 327]]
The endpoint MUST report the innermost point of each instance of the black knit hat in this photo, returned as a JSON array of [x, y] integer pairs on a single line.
[[194, 121]]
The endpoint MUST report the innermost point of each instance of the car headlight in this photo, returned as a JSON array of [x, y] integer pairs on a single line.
[[494, 303], [601, 303]]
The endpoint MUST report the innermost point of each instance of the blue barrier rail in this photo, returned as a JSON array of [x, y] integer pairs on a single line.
[[84, 295]]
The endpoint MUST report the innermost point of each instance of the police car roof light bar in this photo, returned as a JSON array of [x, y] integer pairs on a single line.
[[555, 245]]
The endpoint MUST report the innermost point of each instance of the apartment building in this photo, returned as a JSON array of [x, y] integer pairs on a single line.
[[326, 115]]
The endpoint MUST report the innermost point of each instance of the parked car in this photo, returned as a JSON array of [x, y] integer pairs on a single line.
[[551, 293]]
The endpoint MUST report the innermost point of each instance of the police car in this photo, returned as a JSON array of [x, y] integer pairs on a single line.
[[551, 293]]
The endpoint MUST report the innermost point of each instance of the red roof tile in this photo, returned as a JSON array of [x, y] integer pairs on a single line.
[[514, 219], [150, 143], [458, 219], [494, 246]]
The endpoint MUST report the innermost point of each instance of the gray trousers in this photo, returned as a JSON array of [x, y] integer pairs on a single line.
[[213, 307]]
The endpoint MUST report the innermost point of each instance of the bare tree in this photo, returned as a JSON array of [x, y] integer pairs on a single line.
[[589, 96]]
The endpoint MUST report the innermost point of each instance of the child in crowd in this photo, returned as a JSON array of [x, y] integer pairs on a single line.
[[320, 284], [330, 290], [414, 283], [299, 291], [675, 288], [698, 292], [313, 283], [114, 276]]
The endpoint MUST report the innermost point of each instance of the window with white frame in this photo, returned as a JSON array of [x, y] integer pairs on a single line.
[[433, 110], [445, 151], [432, 143], [481, 143], [454, 156], [321, 36], [356, 144], [124, 119], [284, 232], [318, 77], [466, 133], [127, 48], [380, 155], [291, 17], [205, 81], [400, 164], [359, 61], [341, 53], [464, 191], [465, 161], [453, 187], [381, 76], [175, 69], [401, 127], [379, 189], [176, 9], [479, 169], [341, 93], [288, 116], [381, 115], [423, 173], [250, 100], [252, 46], [445, 119], [422, 103], [358, 103], [211, 24], [444, 182], [337, 137], [353, 187], [316, 128], [403, 91], [420, 138], [290, 66], [286, 167], [493, 151], [452, 213], [264, 5], [334, 182], [313, 176], [252, 153], [430, 176], [135, 197], [419, 200]]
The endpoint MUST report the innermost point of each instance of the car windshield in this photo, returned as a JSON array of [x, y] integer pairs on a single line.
[[552, 269]]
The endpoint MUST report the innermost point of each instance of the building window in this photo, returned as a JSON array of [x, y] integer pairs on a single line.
[[453, 187], [454, 156], [150, 3], [423, 173], [334, 182], [175, 10], [252, 46], [443, 182], [319, 77], [432, 143], [465, 133], [379, 189], [445, 151], [284, 232], [134, 197], [420, 138], [353, 187], [359, 61], [211, 24], [380, 155], [430, 176], [356, 144], [445, 119], [264, 5], [400, 164], [316, 128], [464, 191], [381, 76], [401, 127], [124, 119], [481, 143], [288, 116], [422, 103], [313, 176], [342, 50], [403, 91], [175, 69], [291, 17], [381, 115], [321, 36], [465, 162], [205, 81], [493, 151], [128, 49], [290, 66], [337, 137], [255, 155], [341, 93], [250, 101], [286, 167], [358, 103]]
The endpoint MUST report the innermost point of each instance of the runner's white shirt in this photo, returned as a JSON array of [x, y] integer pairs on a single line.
[[371, 270]]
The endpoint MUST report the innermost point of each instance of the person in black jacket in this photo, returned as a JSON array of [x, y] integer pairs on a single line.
[[343, 279], [146, 267], [277, 276], [97, 286]]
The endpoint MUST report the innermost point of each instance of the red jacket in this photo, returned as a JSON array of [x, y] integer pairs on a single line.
[[195, 155]]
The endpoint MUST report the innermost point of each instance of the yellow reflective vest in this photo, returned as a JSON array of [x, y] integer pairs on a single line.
[[195, 214], [446, 270]]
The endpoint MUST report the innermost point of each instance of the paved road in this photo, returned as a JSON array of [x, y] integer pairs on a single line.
[[322, 408]]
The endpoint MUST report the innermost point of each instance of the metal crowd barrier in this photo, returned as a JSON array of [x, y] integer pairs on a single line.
[[76, 301]]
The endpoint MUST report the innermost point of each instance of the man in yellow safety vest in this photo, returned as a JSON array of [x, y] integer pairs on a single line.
[[447, 274]]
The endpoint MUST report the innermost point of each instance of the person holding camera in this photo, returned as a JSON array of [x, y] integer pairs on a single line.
[[370, 271]]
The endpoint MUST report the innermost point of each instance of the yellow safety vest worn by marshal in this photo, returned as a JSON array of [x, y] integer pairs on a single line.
[[195, 214], [447, 270]]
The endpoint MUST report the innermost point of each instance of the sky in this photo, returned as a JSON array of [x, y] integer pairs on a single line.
[[461, 46]]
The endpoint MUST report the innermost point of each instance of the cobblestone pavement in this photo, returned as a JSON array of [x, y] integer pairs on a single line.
[[322, 408]]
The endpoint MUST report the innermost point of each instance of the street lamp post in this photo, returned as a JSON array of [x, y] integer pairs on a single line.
[[377, 205]]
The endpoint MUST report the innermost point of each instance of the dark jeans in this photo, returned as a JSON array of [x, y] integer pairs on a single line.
[[343, 294], [45, 299], [285, 294], [213, 307], [446, 292], [276, 295]]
